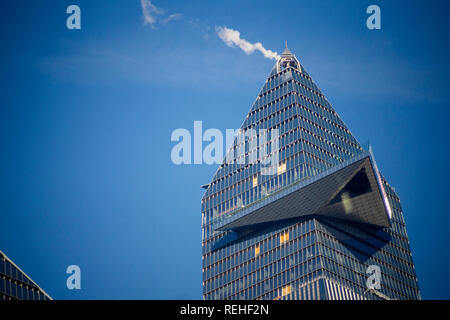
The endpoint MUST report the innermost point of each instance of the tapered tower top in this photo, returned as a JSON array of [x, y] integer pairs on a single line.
[[288, 59]]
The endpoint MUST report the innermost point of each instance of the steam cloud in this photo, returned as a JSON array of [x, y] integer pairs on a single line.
[[232, 38]]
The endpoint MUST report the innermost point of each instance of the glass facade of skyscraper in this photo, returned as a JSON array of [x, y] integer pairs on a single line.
[[312, 227], [16, 285]]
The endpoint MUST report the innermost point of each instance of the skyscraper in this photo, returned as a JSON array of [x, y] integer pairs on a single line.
[[16, 285], [324, 224]]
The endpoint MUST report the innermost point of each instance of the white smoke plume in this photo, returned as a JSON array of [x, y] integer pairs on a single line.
[[233, 38]]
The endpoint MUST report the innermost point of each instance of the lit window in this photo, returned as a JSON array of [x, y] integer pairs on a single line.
[[284, 237], [281, 168], [286, 290], [255, 181], [256, 251]]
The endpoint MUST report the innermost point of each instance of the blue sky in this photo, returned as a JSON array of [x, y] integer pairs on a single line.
[[86, 117]]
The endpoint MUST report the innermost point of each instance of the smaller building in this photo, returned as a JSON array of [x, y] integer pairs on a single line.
[[16, 285]]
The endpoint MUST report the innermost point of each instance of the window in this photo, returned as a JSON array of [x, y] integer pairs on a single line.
[[281, 168], [284, 237], [255, 181], [286, 290], [256, 250]]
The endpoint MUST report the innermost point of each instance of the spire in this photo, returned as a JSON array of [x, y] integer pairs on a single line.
[[287, 59], [286, 52]]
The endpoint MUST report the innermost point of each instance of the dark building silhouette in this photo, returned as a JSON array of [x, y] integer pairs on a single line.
[[16, 285]]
